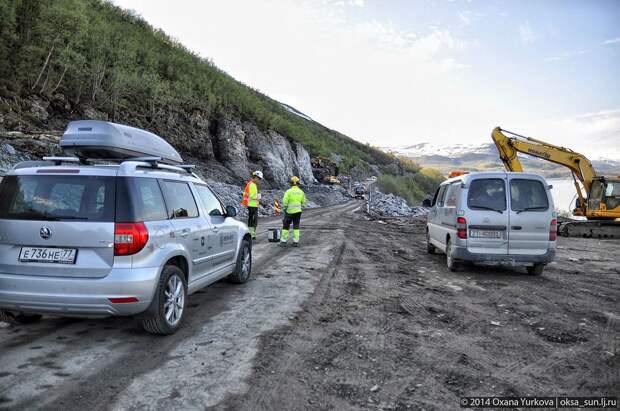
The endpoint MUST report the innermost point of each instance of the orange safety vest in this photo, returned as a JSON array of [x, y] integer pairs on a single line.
[[246, 194]]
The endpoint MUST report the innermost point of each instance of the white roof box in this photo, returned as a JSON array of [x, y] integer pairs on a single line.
[[102, 140]]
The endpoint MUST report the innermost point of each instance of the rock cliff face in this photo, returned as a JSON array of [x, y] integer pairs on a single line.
[[225, 149]]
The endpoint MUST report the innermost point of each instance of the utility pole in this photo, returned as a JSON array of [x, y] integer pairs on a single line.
[[369, 197]]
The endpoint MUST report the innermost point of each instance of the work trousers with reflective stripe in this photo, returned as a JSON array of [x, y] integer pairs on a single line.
[[252, 220], [295, 219]]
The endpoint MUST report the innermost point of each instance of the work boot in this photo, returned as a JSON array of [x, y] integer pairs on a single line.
[[282, 244], [295, 244]]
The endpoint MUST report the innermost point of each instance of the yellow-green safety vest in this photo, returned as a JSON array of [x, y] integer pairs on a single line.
[[294, 199]]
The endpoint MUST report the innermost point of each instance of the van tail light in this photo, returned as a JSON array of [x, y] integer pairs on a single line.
[[461, 227], [129, 238], [553, 230]]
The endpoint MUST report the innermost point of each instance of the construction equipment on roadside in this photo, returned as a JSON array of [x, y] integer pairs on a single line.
[[276, 208], [598, 196], [325, 170]]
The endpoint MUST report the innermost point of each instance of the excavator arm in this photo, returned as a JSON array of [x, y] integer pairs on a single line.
[[579, 165]]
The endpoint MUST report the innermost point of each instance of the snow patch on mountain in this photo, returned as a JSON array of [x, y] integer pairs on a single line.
[[432, 149]]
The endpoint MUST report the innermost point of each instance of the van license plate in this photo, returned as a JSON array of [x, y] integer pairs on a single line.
[[485, 234], [47, 255]]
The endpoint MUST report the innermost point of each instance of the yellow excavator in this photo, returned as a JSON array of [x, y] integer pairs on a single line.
[[598, 197]]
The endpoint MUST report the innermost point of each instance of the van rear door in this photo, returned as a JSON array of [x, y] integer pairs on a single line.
[[531, 212], [487, 216], [57, 223]]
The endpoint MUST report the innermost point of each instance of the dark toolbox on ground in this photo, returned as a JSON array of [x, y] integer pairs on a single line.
[[273, 235]]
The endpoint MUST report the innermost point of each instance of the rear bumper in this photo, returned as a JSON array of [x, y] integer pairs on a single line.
[[462, 254], [79, 296]]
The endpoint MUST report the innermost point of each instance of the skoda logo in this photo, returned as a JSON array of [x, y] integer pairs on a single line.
[[45, 232]]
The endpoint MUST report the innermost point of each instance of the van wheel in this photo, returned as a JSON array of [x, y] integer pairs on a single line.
[[430, 248], [166, 312], [243, 268], [452, 265], [18, 318], [536, 269]]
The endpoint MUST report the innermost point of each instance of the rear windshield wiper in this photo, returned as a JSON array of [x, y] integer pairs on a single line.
[[532, 208], [486, 208]]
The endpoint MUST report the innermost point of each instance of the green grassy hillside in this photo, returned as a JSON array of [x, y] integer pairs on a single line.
[[95, 54]]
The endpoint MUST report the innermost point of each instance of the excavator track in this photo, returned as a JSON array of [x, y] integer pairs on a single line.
[[589, 229]]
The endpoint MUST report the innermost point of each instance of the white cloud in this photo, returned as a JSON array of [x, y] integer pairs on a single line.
[[612, 41], [605, 123], [566, 55], [373, 79], [528, 36], [357, 3]]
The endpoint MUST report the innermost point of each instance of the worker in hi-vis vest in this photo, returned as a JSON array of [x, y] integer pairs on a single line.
[[292, 203], [251, 200]]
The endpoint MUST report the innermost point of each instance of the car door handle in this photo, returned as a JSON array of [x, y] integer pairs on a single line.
[[185, 232], [515, 227]]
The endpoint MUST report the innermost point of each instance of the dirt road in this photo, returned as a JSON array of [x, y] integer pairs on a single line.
[[359, 317]]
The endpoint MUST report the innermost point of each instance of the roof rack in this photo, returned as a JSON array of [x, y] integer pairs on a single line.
[[59, 160], [153, 162]]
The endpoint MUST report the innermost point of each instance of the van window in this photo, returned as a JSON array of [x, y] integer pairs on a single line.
[[452, 194], [487, 194], [179, 199], [209, 200], [442, 195], [139, 199], [528, 195], [57, 198]]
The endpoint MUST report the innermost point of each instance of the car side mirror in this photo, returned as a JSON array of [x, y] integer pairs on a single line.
[[231, 211]]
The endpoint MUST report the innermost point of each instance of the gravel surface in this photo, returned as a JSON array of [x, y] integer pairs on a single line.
[[358, 317]]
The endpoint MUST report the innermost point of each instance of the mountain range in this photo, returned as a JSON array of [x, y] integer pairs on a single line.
[[484, 157]]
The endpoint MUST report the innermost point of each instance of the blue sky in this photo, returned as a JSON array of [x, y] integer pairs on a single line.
[[399, 72]]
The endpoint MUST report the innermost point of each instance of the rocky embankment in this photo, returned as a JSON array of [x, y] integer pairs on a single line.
[[390, 205], [18, 146], [224, 148]]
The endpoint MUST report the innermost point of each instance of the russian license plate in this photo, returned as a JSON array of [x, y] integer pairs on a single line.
[[485, 234], [47, 255]]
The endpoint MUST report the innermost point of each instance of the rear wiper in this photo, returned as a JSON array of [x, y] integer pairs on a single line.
[[487, 208], [531, 209]]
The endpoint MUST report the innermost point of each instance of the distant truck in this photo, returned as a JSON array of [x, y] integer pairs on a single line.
[[359, 192]]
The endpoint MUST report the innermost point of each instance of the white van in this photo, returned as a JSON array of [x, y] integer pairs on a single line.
[[494, 217]]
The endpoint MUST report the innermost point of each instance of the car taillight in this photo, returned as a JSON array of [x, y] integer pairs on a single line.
[[553, 230], [461, 227], [129, 238]]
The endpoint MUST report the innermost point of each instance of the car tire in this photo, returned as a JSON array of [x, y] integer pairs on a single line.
[[168, 308], [243, 268], [430, 248], [450, 263], [18, 318], [536, 269]]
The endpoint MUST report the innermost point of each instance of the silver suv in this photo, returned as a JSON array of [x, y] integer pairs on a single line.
[[136, 237]]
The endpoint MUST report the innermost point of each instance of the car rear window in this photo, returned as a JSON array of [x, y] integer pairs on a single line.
[[179, 199], [139, 199], [528, 195], [487, 194], [57, 198]]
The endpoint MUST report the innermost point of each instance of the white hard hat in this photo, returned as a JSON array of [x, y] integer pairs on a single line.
[[258, 174]]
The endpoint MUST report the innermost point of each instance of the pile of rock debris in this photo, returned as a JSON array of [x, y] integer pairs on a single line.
[[390, 205]]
